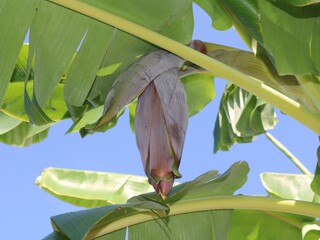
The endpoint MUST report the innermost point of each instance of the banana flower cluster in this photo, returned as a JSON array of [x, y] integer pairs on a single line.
[[161, 115]]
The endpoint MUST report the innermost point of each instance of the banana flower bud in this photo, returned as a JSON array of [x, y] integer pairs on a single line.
[[131, 83], [161, 115], [160, 125]]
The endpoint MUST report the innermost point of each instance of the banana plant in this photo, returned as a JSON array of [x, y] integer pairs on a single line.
[[77, 66]]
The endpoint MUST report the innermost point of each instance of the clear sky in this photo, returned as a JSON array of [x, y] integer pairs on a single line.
[[26, 209]]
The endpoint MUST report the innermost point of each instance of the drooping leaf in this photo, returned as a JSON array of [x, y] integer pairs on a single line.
[[15, 19], [7, 123], [25, 134], [87, 124], [288, 186], [90, 117], [91, 189], [100, 221], [86, 63], [242, 116], [56, 33], [13, 103]]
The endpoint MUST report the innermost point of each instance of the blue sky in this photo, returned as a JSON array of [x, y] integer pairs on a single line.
[[26, 209]]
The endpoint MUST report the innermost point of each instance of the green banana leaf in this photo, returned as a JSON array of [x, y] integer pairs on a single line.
[[200, 91], [288, 186], [56, 33], [242, 116], [7, 123], [91, 189], [147, 216], [299, 27], [258, 22], [259, 67], [183, 226], [90, 91], [13, 103], [25, 134]]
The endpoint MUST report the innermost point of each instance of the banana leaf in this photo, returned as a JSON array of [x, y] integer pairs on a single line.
[[57, 33], [242, 116], [209, 184], [289, 186], [91, 189]]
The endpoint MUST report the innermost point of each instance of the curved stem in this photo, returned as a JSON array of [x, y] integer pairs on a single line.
[[255, 86], [283, 149], [215, 203]]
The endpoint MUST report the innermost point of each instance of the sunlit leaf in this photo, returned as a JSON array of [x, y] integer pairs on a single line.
[[210, 223], [7, 123], [13, 103], [25, 134], [91, 189], [288, 186], [56, 33], [15, 20]]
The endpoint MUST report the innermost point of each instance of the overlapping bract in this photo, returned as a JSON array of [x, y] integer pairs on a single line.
[[161, 116], [160, 124]]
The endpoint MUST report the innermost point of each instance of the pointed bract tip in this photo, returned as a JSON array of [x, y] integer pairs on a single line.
[[163, 187]]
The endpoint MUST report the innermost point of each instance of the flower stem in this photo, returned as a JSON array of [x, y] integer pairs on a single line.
[[283, 149], [214, 203], [253, 85]]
